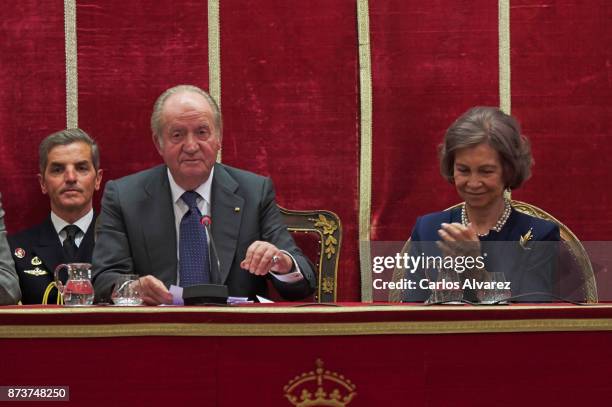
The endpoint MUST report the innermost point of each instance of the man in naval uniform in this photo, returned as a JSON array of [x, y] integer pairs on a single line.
[[69, 163]]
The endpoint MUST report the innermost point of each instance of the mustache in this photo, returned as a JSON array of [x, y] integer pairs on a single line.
[[70, 189]]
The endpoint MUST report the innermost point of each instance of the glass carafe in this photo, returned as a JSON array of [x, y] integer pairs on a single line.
[[78, 289]]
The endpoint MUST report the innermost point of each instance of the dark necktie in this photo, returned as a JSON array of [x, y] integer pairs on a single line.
[[194, 264], [70, 247]]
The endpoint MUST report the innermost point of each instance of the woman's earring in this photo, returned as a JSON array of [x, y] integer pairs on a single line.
[[508, 194]]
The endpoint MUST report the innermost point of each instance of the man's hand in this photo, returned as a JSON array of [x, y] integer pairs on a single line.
[[259, 259], [153, 291]]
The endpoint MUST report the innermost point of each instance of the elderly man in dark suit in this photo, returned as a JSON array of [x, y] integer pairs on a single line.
[[70, 173], [150, 221]]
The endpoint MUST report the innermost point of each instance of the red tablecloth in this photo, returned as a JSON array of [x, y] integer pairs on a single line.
[[263, 355]]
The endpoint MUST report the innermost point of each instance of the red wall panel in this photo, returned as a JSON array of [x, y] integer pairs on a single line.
[[128, 54], [561, 90], [290, 105], [431, 61], [32, 101]]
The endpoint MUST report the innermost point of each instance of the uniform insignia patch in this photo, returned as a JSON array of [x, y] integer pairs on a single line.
[[36, 272], [19, 253], [36, 261]]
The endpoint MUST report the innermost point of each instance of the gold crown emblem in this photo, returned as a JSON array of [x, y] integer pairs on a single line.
[[320, 388]]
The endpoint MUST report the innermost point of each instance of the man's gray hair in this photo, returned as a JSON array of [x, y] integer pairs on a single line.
[[63, 138], [156, 119]]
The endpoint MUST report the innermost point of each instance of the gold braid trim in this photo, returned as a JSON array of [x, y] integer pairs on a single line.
[[72, 87], [306, 329], [365, 160], [505, 97], [314, 309], [214, 55]]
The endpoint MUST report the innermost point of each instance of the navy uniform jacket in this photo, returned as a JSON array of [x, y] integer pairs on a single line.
[[529, 268], [41, 242]]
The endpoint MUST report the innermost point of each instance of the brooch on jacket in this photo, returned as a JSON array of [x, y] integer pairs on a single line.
[[526, 238]]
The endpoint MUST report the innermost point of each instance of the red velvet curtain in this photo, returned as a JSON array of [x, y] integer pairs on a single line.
[[431, 61], [290, 98], [32, 101], [290, 103], [561, 86]]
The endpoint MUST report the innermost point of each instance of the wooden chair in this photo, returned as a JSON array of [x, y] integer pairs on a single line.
[[572, 253], [318, 234]]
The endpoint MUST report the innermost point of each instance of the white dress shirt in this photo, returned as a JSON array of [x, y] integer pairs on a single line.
[[83, 224]]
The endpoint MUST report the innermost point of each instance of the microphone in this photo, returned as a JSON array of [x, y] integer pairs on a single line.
[[205, 294], [206, 221]]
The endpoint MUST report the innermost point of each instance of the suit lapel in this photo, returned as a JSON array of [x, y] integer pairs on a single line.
[[159, 229], [225, 220]]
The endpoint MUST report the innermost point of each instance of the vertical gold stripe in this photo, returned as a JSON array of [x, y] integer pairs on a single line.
[[72, 87], [365, 161], [214, 55], [505, 97]]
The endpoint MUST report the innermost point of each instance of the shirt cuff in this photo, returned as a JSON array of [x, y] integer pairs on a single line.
[[291, 277]]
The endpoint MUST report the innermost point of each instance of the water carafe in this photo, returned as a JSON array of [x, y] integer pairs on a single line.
[[78, 289]]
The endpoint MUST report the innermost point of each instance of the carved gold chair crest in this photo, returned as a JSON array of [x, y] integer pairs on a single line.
[[318, 234]]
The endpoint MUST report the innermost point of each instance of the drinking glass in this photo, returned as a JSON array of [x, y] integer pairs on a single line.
[[498, 293], [448, 288], [127, 290]]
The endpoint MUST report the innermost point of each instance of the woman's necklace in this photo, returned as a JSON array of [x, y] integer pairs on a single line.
[[498, 225]]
